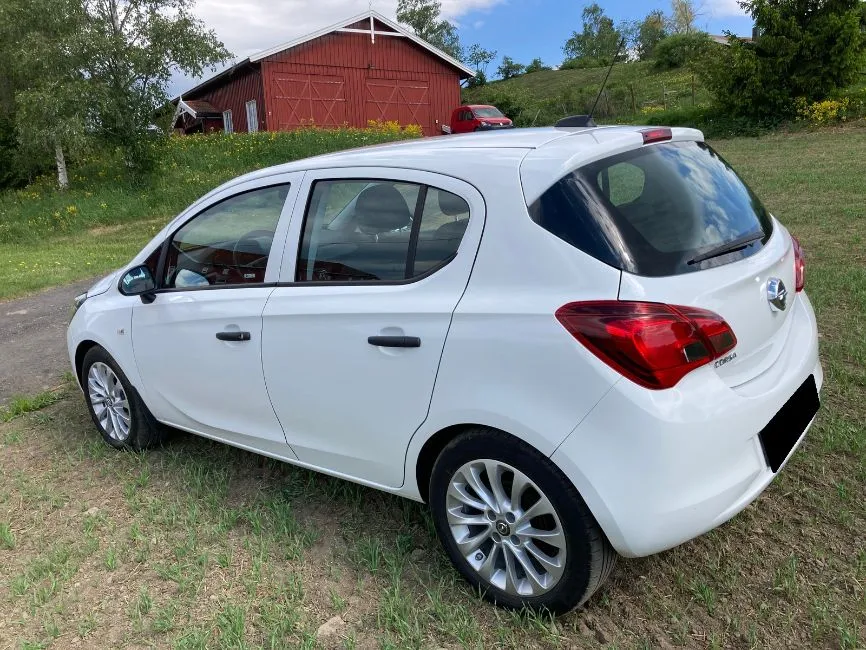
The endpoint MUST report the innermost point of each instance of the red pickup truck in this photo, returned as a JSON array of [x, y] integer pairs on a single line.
[[474, 117]]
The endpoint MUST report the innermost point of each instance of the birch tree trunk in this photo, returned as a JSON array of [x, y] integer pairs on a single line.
[[62, 177]]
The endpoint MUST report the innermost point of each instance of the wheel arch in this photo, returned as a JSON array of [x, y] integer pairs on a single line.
[[81, 351], [434, 445]]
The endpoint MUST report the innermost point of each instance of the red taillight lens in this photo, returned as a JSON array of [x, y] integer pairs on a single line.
[[799, 265], [656, 135], [652, 344]]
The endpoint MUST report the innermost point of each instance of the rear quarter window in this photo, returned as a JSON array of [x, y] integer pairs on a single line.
[[656, 211]]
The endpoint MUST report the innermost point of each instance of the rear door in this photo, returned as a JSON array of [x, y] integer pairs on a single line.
[[376, 263]]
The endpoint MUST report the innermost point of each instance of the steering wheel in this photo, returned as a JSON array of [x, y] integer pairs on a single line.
[[250, 243]]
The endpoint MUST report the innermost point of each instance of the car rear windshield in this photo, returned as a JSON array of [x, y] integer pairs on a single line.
[[663, 209], [487, 111]]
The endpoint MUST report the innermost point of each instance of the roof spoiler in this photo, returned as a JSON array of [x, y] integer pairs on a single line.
[[576, 121]]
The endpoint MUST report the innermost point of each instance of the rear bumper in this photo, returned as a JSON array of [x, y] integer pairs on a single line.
[[658, 468]]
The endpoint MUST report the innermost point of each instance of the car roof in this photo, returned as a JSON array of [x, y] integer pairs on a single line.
[[552, 152]]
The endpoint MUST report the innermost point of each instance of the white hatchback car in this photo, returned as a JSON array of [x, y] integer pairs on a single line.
[[570, 343]]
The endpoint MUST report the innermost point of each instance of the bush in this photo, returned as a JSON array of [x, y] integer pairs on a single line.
[[802, 52], [681, 50], [584, 63]]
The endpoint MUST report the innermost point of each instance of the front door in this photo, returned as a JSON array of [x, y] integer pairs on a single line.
[[198, 345], [354, 335]]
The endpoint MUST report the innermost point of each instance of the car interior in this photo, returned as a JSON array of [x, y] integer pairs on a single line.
[[369, 240]]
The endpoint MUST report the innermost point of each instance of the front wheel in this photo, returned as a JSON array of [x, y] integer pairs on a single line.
[[514, 525], [115, 406]]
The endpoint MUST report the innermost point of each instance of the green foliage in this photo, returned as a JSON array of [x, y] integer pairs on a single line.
[[479, 58], [684, 14], [819, 46], [649, 33], [424, 17], [480, 79], [536, 65], [680, 50], [94, 71], [584, 63], [510, 68], [599, 39]]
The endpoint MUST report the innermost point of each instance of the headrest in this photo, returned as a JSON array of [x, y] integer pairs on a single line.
[[451, 204], [382, 208]]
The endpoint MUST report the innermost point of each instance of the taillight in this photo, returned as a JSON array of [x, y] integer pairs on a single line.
[[653, 344], [656, 135], [799, 264]]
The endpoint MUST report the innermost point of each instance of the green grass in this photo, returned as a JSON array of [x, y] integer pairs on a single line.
[[198, 545], [18, 406], [49, 237]]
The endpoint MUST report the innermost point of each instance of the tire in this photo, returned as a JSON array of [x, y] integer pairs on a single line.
[[131, 426], [564, 519]]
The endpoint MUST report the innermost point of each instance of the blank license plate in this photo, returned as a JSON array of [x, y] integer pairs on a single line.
[[785, 429]]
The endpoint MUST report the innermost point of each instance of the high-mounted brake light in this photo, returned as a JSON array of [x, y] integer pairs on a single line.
[[652, 344], [799, 264], [656, 135]]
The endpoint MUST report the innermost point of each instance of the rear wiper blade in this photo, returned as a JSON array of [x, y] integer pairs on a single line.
[[730, 247]]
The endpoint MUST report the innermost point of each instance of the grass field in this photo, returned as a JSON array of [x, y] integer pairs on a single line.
[[49, 237], [197, 545]]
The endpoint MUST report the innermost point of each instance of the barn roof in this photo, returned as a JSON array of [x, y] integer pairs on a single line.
[[370, 16], [350, 25]]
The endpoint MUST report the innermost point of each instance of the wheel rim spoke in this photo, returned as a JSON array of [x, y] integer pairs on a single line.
[[521, 552], [109, 401]]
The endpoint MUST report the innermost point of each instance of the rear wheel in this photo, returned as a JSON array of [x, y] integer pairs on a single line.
[[115, 406], [514, 525]]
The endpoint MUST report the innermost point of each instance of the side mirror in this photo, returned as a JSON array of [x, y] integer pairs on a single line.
[[138, 281]]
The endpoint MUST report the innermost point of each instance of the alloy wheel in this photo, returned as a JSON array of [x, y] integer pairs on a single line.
[[506, 528], [109, 401]]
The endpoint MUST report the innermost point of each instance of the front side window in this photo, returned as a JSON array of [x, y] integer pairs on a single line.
[[656, 211], [227, 244], [378, 231]]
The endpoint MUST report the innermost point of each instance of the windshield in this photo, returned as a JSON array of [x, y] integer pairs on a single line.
[[658, 210], [487, 111]]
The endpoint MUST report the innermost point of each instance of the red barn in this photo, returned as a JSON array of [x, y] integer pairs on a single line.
[[365, 68]]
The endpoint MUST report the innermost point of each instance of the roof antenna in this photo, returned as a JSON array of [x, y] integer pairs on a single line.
[[586, 120]]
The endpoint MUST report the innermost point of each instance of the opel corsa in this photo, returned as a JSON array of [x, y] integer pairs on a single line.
[[570, 343]]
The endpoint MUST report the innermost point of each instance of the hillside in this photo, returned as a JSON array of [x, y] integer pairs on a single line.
[[634, 89]]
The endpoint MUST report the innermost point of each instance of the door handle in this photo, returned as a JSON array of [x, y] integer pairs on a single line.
[[395, 341], [233, 336]]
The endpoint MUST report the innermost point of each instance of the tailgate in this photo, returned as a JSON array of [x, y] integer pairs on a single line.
[[738, 292]]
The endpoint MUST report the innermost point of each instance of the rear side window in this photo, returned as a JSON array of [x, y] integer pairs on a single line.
[[378, 231], [660, 210]]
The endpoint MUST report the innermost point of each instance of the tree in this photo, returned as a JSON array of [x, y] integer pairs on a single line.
[[684, 14], [819, 46], [479, 58], [424, 17], [650, 32], [598, 40], [536, 65], [510, 68], [680, 50], [131, 48], [47, 77]]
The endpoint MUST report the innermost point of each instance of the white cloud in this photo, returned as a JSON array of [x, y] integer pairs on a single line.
[[478, 24], [723, 8]]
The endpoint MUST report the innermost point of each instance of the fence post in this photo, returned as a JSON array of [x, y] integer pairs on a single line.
[[633, 102], [693, 90], [664, 97]]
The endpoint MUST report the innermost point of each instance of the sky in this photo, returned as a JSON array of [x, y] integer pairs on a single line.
[[521, 29]]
